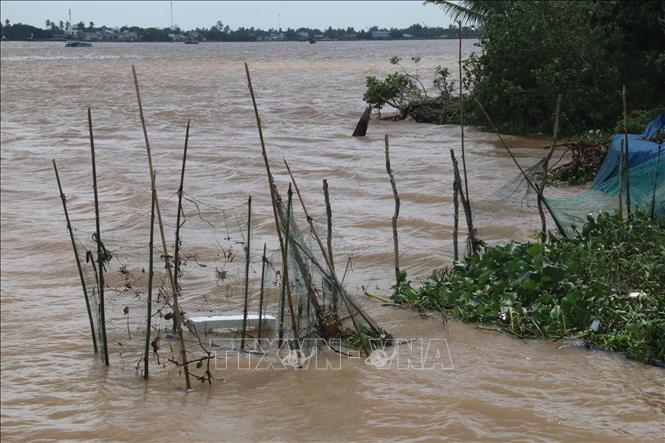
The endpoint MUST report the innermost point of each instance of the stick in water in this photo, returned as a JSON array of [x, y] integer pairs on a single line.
[[247, 246], [555, 137], [78, 260], [329, 224], [167, 261], [98, 238], [396, 214], [263, 275], [150, 277]]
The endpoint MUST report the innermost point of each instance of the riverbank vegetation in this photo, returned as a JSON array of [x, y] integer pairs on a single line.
[[532, 51], [606, 286], [219, 32]]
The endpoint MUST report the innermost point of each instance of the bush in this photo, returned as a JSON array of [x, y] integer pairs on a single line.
[[536, 50]]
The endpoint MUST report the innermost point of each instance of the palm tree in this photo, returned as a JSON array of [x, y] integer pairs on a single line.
[[91, 25], [470, 11], [48, 24], [62, 25]]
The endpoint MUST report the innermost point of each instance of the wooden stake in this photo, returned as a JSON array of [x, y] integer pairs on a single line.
[[626, 164], [396, 214], [146, 352], [263, 275], [456, 191], [176, 255], [167, 261], [363, 123], [329, 224], [348, 302], [98, 238], [555, 137], [285, 272], [471, 240], [278, 210], [247, 249], [76, 256]]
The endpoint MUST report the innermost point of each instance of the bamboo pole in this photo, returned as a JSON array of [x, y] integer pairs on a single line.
[[456, 190], [471, 240], [461, 114], [285, 272], [100, 259], [348, 302], [626, 165], [278, 209], [396, 214], [146, 354], [176, 255], [555, 137], [329, 224], [167, 261], [263, 274], [247, 249], [76, 255], [510, 153], [655, 183]]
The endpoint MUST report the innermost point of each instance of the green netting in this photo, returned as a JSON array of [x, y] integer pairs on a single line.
[[646, 183], [322, 307]]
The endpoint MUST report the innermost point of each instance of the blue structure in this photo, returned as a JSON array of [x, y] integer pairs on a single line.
[[639, 151]]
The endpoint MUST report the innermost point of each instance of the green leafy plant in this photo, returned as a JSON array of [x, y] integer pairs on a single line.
[[577, 287]]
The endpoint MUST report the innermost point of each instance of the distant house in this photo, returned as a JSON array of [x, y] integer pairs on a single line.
[[303, 36], [275, 37], [408, 36], [70, 32], [109, 35], [380, 34]]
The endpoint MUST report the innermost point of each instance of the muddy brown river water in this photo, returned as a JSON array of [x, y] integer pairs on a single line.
[[310, 97]]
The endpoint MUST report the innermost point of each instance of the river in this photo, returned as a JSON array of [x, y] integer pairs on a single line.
[[310, 97]]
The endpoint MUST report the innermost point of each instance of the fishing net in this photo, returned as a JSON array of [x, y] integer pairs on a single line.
[[517, 198], [211, 282], [643, 185], [320, 306], [210, 277]]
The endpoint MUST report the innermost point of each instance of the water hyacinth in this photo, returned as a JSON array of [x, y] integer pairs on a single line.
[[580, 288]]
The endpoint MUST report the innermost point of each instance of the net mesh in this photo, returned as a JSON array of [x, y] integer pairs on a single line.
[[517, 199], [645, 182], [210, 279]]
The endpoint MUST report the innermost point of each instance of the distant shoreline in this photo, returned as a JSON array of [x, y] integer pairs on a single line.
[[243, 41]]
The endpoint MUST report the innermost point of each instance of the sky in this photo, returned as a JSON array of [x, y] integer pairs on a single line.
[[259, 14]]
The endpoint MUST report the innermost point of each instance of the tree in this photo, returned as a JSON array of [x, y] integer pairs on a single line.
[[91, 25], [62, 25], [470, 11], [80, 26], [6, 22], [585, 51], [48, 23]]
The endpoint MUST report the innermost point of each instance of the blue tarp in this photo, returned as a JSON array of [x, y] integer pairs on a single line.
[[639, 151]]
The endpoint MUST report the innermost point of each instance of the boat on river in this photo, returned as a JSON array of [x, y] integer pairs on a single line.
[[78, 44]]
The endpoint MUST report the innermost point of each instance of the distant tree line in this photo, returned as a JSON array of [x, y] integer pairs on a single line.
[[223, 33]]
